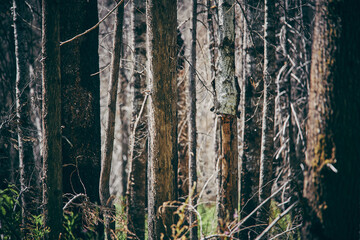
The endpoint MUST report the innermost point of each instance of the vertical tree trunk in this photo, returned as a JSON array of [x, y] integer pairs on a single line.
[[226, 107], [104, 187], [192, 127], [251, 95], [28, 172], [331, 183], [267, 137], [80, 99], [136, 190], [161, 46], [51, 118], [183, 123]]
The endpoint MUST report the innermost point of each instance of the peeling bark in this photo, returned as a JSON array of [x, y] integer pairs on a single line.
[[226, 107]]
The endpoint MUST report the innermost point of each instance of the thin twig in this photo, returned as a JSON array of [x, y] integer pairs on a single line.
[[95, 26], [291, 229], [255, 210], [73, 199], [267, 229]]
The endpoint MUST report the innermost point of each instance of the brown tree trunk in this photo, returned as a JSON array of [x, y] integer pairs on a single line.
[[136, 190], [161, 48], [331, 183], [104, 186], [267, 136], [192, 128], [51, 119]]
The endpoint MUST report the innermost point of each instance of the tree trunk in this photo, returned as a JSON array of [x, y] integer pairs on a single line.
[[136, 190], [226, 104], [80, 99], [161, 48], [267, 136], [331, 183], [28, 182], [104, 187], [192, 128], [251, 95], [51, 119], [183, 123]]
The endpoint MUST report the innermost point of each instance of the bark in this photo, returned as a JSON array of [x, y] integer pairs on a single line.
[[136, 190], [7, 95], [104, 186], [80, 99], [267, 136], [28, 181], [183, 131], [331, 182], [51, 119], [192, 127], [226, 107], [161, 49], [251, 95]]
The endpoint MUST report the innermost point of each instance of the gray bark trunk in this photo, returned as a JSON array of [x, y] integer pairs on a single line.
[[136, 190], [226, 104], [104, 187], [25, 127]]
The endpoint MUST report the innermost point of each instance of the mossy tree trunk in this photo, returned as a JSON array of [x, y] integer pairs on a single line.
[[331, 183]]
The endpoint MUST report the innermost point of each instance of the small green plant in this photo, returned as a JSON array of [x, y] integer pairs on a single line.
[[10, 217], [37, 230]]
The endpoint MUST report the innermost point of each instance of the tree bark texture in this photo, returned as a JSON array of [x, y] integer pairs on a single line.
[[7, 95], [192, 128], [161, 49], [104, 185], [136, 190], [227, 198], [226, 104], [268, 112], [183, 124], [80, 99], [331, 183], [252, 86], [27, 166], [51, 119]]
